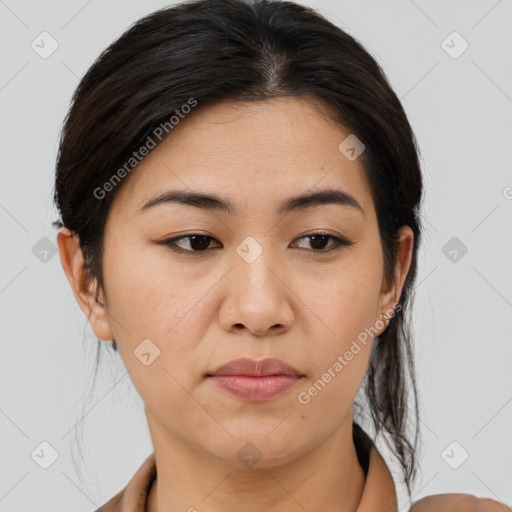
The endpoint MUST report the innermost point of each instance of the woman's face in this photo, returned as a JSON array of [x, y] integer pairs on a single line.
[[254, 285]]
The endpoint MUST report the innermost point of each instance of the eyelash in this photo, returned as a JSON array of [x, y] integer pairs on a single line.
[[339, 242]]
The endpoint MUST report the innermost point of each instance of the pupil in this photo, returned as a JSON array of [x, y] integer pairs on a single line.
[[202, 238], [315, 238]]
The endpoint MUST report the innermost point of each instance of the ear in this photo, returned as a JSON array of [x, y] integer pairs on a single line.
[[389, 297], [72, 261]]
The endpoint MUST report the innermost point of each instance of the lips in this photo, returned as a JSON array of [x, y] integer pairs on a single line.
[[253, 368], [256, 381]]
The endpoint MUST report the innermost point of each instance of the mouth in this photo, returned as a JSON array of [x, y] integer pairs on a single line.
[[256, 381]]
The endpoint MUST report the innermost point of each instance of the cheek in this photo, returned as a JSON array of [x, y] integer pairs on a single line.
[[341, 350], [148, 300], [343, 310], [346, 305], [152, 298]]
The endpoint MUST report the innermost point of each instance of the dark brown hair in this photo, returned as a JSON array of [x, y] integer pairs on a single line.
[[213, 50]]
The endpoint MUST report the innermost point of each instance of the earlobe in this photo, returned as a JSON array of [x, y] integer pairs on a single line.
[[83, 288]]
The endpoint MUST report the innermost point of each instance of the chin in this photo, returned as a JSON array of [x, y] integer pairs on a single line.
[[258, 451]]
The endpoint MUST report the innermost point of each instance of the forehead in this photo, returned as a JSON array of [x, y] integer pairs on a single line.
[[255, 153]]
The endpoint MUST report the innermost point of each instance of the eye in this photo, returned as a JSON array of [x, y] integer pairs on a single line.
[[318, 241], [198, 243]]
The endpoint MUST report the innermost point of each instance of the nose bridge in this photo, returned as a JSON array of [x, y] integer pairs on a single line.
[[256, 268]]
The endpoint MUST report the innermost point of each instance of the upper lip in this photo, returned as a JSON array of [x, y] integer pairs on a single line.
[[254, 368]]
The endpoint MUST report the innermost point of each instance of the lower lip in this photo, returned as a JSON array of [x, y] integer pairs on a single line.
[[255, 389]]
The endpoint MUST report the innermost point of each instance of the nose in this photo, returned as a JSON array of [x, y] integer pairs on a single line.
[[257, 295]]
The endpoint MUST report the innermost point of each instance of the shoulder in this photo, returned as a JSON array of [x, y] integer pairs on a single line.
[[114, 504], [458, 503]]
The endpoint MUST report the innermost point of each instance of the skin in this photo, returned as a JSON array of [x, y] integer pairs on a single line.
[[458, 502], [202, 309]]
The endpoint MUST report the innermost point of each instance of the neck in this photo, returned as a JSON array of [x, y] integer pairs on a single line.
[[328, 478]]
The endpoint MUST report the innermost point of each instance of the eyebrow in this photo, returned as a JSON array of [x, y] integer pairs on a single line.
[[212, 202]]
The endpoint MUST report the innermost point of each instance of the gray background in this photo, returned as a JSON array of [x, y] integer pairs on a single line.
[[460, 109]]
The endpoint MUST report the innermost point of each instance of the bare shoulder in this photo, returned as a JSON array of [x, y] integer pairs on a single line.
[[458, 503]]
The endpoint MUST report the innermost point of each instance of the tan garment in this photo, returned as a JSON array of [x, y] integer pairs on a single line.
[[379, 494]]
